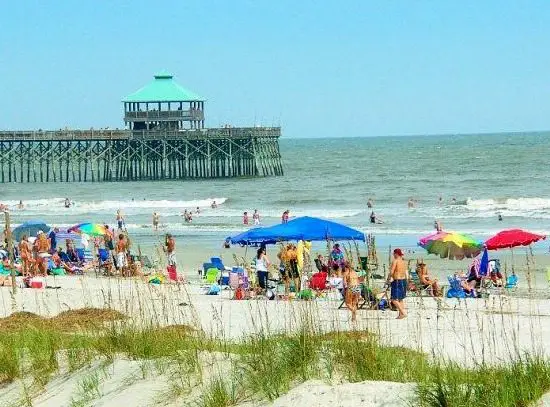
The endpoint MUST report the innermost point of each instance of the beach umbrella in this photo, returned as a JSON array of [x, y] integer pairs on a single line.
[[508, 239], [451, 245], [90, 229], [30, 228]]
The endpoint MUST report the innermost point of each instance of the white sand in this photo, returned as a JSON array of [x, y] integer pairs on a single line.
[[466, 331]]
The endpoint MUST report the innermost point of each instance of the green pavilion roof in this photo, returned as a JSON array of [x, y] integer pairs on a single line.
[[163, 89]]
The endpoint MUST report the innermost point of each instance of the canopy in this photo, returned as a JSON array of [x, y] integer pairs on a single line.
[[451, 245], [304, 228], [29, 228], [163, 89], [507, 239]]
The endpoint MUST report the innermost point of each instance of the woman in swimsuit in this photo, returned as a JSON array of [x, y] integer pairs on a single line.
[[352, 290]]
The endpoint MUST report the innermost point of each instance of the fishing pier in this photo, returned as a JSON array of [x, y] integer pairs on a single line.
[[164, 138]]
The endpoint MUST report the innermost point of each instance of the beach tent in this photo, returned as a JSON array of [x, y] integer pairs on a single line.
[[303, 228], [29, 228]]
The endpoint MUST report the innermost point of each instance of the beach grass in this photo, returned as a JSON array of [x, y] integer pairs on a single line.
[[265, 365]]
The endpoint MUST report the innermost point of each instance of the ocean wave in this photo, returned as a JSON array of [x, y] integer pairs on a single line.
[[494, 204], [57, 205]]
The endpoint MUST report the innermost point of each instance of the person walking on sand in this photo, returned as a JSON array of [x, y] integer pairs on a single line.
[[352, 289], [121, 248], [170, 250], [256, 217], [398, 279], [119, 220], [156, 219]]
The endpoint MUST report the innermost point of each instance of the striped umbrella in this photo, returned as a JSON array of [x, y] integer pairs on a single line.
[[91, 229], [451, 245]]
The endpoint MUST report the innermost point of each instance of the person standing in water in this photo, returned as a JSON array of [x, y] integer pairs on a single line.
[[20, 205], [156, 220], [214, 205], [398, 281], [119, 220], [256, 217], [245, 218], [370, 203], [285, 216]]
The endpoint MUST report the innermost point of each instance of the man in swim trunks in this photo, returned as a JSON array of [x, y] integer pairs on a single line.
[[170, 250], [398, 278], [156, 219], [121, 247]]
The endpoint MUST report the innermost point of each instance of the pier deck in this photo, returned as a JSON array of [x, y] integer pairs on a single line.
[[130, 155]]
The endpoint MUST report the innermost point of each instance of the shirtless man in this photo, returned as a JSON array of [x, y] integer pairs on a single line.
[[352, 290], [170, 250], [156, 220], [120, 249], [398, 278], [25, 252]]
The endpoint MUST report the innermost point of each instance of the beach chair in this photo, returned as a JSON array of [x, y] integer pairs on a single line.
[[363, 302], [218, 263], [80, 254], [456, 290], [416, 287], [211, 275], [512, 282]]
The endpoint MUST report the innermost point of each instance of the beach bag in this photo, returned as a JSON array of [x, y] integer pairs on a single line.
[[58, 271], [213, 290], [239, 294]]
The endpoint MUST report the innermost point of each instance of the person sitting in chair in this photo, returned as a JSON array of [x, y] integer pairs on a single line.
[[426, 280]]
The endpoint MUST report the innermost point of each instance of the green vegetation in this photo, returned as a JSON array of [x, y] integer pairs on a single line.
[[260, 366]]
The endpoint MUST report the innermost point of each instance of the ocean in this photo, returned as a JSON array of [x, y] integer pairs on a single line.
[[487, 175]]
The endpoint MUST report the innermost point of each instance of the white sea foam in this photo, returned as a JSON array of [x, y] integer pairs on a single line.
[[516, 204]]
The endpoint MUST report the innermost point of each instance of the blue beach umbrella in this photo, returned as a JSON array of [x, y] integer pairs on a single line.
[[30, 228]]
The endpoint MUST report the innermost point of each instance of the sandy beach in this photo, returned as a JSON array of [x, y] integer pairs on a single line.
[[469, 332]]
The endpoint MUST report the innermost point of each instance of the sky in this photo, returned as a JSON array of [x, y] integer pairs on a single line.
[[317, 68]]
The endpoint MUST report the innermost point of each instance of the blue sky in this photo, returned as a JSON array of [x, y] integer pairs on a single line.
[[320, 69]]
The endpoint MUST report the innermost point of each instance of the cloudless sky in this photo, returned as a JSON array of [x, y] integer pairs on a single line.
[[318, 68]]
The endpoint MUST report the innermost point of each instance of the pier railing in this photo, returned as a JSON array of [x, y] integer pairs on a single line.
[[192, 134], [152, 115]]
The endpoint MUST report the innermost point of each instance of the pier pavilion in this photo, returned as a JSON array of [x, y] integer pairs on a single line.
[[165, 138]]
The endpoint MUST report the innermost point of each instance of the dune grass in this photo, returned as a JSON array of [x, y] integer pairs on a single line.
[[267, 365], [262, 366]]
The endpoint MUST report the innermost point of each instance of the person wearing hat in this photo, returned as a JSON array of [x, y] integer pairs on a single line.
[[398, 280]]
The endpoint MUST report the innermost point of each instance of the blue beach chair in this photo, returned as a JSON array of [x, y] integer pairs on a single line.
[[456, 290]]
